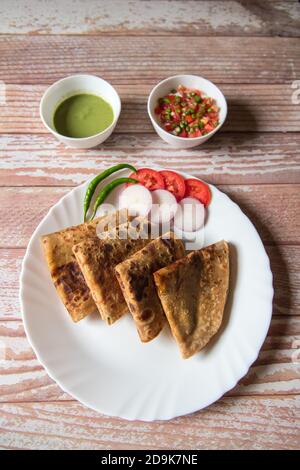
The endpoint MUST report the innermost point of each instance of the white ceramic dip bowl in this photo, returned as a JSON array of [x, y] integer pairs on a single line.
[[76, 84], [164, 87]]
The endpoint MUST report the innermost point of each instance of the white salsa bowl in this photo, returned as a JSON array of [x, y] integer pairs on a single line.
[[190, 81]]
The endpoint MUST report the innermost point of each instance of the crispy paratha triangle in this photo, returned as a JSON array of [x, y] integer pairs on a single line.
[[135, 276], [193, 293], [64, 269], [97, 259]]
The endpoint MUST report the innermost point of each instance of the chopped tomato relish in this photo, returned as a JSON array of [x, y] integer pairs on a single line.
[[187, 112]]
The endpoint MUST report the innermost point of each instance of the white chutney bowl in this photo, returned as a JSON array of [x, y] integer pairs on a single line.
[[72, 85]]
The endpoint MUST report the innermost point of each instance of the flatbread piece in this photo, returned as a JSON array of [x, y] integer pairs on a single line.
[[64, 269], [97, 259], [193, 293], [135, 276]]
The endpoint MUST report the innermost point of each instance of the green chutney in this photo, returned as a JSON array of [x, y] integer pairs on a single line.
[[82, 115]]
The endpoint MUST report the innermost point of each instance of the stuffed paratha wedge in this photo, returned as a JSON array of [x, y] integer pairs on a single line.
[[135, 276], [65, 272], [193, 293], [97, 259]]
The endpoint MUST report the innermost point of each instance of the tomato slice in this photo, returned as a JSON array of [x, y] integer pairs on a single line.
[[174, 183], [189, 118], [168, 126], [208, 128], [149, 178], [198, 190], [195, 133]]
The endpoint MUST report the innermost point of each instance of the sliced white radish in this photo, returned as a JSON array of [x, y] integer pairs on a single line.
[[164, 206], [137, 199], [190, 215]]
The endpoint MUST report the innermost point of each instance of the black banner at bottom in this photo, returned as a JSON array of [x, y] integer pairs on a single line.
[[135, 459]]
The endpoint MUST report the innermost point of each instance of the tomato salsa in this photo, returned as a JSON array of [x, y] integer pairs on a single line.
[[187, 112]]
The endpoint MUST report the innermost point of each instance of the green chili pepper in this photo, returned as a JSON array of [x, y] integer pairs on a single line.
[[94, 183], [107, 189]]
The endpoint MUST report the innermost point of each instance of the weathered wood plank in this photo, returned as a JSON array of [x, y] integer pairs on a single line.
[[232, 18], [136, 60], [252, 108], [29, 160], [276, 371], [231, 423], [10, 269], [285, 265], [274, 209]]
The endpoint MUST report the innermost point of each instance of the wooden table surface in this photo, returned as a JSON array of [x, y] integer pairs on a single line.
[[251, 49]]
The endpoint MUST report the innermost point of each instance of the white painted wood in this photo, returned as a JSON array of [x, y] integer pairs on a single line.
[[139, 61], [231, 423], [227, 158], [190, 17]]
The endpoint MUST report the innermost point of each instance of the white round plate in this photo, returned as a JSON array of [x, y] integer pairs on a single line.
[[107, 368]]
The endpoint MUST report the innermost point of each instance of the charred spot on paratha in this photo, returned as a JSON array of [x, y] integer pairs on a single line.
[[70, 277], [138, 284]]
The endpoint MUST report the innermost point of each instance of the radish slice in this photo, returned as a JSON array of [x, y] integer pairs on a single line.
[[137, 199], [164, 206], [190, 215]]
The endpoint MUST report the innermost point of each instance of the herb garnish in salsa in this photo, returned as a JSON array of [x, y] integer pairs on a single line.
[[82, 115], [187, 112]]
